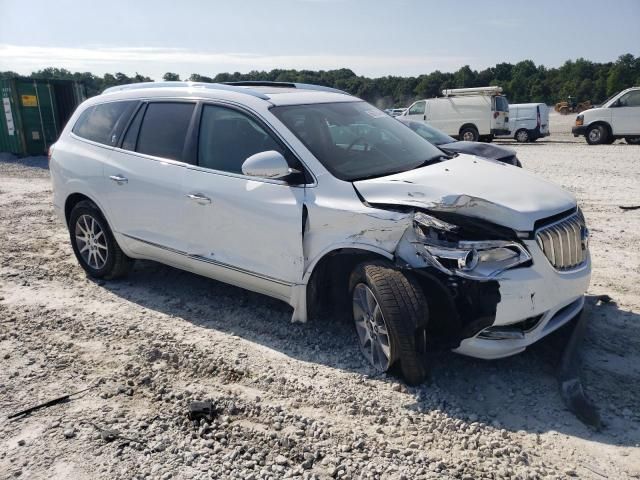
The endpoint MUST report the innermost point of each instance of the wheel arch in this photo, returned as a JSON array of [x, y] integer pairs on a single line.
[[604, 123], [327, 277]]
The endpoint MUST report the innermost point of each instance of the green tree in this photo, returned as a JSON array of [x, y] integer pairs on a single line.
[[171, 77]]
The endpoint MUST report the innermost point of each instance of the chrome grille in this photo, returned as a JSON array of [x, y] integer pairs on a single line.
[[565, 243]]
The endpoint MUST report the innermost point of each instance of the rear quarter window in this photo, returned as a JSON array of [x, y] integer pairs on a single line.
[[102, 123]]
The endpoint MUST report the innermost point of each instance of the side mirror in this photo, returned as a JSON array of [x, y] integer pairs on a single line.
[[269, 164]]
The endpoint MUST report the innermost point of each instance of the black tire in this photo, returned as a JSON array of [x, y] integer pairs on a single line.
[[405, 313], [471, 133], [522, 136], [632, 140], [597, 135], [116, 263]]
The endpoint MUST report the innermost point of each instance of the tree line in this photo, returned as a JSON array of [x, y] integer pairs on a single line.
[[523, 82]]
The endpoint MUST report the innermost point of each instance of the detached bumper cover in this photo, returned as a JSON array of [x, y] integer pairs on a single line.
[[537, 291]]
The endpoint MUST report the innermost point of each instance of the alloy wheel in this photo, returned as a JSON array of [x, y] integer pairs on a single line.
[[372, 330], [91, 241]]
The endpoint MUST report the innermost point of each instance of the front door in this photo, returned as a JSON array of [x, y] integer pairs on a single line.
[[247, 229], [625, 116], [417, 111]]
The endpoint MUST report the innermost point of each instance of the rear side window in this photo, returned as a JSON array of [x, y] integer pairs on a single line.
[[102, 123], [228, 137], [164, 129]]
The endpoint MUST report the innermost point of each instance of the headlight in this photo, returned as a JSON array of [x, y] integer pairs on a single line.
[[579, 120], [441, 244]]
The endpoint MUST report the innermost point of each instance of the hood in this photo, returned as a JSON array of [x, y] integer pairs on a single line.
[[496, 192], [484, 150]]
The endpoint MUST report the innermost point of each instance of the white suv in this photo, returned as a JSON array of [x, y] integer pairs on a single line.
[[618, 117], [317, 198]]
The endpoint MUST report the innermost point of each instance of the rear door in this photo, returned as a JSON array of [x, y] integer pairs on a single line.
[[500, 113], [625, 117], [246, 230], [144, 177]]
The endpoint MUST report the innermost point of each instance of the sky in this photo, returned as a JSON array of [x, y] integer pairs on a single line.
[[372, 37]]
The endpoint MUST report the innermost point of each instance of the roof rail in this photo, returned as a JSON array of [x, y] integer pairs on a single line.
[[454, 92], [301, 86], [212, 86]]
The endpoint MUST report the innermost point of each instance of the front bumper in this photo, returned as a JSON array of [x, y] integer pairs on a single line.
[[579, 130], [540, 294]]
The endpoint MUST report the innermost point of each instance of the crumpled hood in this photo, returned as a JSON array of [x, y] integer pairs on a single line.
[[496, 192], [484, 150]]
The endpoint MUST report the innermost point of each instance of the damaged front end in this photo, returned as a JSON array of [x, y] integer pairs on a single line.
[[445, 247], [458, 259]]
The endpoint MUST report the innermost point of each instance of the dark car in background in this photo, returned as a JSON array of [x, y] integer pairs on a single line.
[[451, 145]]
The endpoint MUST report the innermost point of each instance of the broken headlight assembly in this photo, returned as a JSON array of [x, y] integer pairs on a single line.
[[443, 245]]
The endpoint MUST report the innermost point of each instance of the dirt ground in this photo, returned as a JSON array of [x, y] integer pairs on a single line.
[[298, 401]]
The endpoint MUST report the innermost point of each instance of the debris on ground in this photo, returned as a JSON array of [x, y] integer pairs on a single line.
[[49, 403]]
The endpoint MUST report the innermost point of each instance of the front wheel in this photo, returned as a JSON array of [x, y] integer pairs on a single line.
[[632, 140], [390, 315], [522, 136], [94, 244], [597, 135]]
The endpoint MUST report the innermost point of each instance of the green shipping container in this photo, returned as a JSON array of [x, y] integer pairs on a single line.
[[34, 113]]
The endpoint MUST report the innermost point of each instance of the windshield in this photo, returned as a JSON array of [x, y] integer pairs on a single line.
[[429, 133], [355, 140]]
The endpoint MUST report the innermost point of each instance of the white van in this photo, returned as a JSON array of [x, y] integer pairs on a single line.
[[528, 121], [469, 114]]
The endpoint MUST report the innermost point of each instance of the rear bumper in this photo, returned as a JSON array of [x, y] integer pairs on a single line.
[[579, 130]]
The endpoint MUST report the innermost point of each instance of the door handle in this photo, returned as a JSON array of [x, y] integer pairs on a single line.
[[119, 179], [199, 198]]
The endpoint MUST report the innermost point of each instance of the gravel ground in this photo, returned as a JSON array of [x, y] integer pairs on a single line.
[[298, 401]]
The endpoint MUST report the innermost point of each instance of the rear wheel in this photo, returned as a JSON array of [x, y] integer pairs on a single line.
[[94, 244], [469, 134], [597, 135], [632, 140], [390, 315], [522, 135]]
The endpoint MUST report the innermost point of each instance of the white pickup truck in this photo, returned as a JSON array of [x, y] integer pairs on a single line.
[[618, 117]]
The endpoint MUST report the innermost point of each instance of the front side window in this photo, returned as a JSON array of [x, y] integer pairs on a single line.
[[417, 108], [164, 129], [631, 99], [355, 140], [228, 137], [100, 122]]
